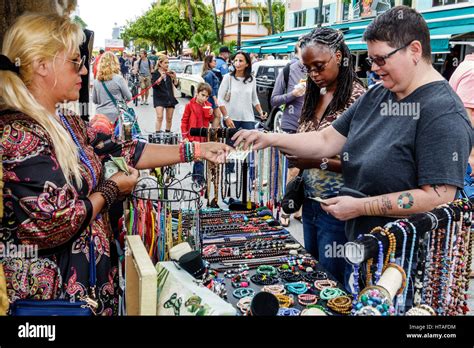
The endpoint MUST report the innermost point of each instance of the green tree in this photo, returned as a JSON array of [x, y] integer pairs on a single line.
[[79, 21], [278, 15], [162, 27]]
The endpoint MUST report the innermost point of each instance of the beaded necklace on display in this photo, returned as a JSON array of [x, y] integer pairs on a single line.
[[410, 261], [82, 154], [446, 261]]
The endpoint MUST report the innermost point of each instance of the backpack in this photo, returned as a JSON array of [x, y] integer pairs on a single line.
[[140, 64]]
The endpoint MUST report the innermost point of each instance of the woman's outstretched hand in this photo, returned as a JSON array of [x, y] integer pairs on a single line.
[[258, 139], [215, 152]]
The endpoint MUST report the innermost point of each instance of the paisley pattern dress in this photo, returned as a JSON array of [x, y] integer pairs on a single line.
[[42, 211]]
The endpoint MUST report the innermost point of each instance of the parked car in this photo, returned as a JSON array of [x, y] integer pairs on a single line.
[[190, 78], [266, 73], [178, 65]]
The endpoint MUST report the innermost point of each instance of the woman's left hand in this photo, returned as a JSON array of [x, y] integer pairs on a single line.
[[215, 152], [342, 207]]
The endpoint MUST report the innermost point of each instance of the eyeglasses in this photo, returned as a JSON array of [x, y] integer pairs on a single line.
[[80, 64], [316, 69], [380, 61]]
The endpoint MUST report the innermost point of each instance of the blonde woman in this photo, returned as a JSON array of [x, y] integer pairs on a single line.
[[109, 81], [55, 197], [164, 101]]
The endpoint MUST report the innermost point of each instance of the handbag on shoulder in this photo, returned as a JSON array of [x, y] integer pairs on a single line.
[[85, 307], [294, 194]]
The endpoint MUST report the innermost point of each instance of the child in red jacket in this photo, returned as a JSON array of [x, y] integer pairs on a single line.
[[197, 114]]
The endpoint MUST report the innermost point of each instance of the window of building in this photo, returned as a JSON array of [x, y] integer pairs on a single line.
[[300, 19], [326, 12], [345, 11], [245, 15], [447, 2], [407, 3]]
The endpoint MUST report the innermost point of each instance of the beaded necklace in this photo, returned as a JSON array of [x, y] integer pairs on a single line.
[[410, 261], [82, 154]]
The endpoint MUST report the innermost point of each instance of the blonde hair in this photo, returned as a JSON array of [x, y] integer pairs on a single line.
[[108, 67], [31, 38]]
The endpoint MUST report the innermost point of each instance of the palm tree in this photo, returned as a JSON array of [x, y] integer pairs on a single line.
[[215, 18], [186, 7], [278, 14], [239, 25], [223, 22], [270, 15], [320, 13]]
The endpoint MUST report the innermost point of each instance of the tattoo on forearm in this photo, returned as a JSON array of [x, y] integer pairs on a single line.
[[386, 205], [405, 200], [436, 187], [373, 208]]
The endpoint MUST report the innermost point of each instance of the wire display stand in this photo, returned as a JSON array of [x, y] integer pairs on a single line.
[[164, 214]]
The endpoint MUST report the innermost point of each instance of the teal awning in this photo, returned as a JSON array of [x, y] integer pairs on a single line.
[[270, 47]]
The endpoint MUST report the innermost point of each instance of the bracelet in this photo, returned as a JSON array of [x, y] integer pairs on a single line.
[[323, 284], [296, 288], [290, 277], [243, 292], [197, 151], [307, 299], [187, 151], [341, 304], [329, 293], [263, 279], [267, 270], [285, 312], [274, 289], [226, 117], [285, 301], [110, 191], [244, 304]]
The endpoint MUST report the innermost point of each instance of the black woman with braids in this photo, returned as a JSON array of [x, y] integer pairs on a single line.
[[404, 144], [332, 87]]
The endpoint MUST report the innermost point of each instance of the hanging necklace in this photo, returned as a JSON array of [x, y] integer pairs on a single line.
[[82, 154]]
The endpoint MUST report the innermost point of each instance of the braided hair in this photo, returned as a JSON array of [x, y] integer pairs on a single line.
[[334, 40]]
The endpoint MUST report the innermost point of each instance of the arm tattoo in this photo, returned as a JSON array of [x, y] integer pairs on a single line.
[[435, 188], [405, 200]]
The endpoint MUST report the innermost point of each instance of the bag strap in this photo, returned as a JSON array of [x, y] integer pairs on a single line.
[[109, 94], [286, 75]]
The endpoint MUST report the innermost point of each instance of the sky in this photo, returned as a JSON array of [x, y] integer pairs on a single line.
[[100, 15]]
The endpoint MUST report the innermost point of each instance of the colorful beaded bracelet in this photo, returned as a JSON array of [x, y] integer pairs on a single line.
[[329, 293], [243, 292], [307, 299], [297, 288]]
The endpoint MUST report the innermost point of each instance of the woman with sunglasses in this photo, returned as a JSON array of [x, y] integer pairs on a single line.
[[55, 197], [404, 144], [331, 87]]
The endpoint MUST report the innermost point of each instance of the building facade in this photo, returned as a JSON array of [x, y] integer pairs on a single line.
[[304, 13], [251, 24]]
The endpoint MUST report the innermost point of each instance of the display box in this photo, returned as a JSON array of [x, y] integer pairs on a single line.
[[140, 279], [180, 294]]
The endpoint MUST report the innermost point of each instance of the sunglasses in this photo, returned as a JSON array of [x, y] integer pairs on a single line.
[[317, 69], [80, 64], [380, 61]]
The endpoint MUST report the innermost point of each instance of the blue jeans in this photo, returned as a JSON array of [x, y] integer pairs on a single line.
[[324, 238], [229, 167]]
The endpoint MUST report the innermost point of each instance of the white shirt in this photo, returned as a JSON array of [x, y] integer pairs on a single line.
[[243, 96]]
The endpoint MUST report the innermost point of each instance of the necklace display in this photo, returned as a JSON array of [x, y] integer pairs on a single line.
[[436, 260]]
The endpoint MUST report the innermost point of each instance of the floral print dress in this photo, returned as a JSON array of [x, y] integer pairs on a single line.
[[42, 210]]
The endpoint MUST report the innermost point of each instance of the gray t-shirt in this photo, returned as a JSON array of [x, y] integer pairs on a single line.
[[423, 139], [118, 88], [144, 67]]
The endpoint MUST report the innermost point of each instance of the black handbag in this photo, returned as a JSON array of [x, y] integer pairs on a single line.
[[85, 307], [294, 195]]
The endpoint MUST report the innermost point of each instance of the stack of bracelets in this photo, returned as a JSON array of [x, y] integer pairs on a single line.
[[189, 151], [110, 191]]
